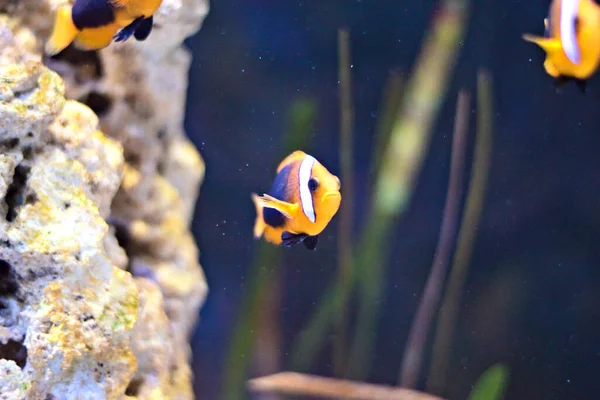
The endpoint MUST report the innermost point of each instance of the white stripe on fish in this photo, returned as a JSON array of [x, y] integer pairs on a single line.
[[305, 172], [568, 35]]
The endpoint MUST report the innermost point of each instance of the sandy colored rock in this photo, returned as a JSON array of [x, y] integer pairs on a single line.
[[31, 96], [174, 22], [94, 194], [153, 349], [67, 313], [115, 252], [17, 43], [81, 345], [184, 169], [77, 310], [13, 382], [76, 133]]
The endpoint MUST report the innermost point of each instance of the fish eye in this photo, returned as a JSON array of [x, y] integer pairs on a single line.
[[313, 184]]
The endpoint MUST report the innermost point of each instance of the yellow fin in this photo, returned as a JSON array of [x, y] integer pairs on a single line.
[[297, 155], [289, 210], [551, 69], [64, 32], [259, 223], [549, 45]]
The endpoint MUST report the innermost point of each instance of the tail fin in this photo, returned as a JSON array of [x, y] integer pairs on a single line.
[[259, 224], [64, 32]]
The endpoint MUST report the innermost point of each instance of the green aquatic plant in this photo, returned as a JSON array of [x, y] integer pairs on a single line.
[[492, 384], [402, 140], [417, 337], [264, 271], [391, 100], [450, 303], [400, 164], [420, 329], [239, 356], [347, 206]]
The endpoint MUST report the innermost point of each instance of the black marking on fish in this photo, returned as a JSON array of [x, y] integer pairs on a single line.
[[143, 31], [290, 239], [311, 242], [581, 84], [278, 190], [562, 80], [92, 13], [273, 217], [129, 30]]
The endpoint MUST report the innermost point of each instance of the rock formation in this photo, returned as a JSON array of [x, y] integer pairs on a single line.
[[100, 283]]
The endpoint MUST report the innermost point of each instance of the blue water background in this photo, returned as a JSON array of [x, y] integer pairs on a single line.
[[531, 299]]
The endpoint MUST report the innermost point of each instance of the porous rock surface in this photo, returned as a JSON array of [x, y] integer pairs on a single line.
[[100, 283]]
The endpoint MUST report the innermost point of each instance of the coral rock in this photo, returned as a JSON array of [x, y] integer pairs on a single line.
[[184, 169], [152, 346], [31, 96], [13, 382], [17, 43], [100, 284], [174, 21]]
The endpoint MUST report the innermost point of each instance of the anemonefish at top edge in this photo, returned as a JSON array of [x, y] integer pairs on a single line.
[[93, 24], [571, 41], [303, 199]]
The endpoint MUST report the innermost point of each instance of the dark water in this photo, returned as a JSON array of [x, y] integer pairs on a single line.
[[531, 299]]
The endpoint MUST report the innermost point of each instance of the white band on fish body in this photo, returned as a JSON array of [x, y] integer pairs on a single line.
[[304, 174], [568, 35]]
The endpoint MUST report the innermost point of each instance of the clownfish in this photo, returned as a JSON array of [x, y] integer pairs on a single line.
[[94, 24], [571, 41], [303, 199]]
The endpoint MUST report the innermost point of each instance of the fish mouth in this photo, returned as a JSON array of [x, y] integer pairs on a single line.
[[331, 195]]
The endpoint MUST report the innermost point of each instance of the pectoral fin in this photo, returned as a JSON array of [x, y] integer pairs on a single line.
[[289, 210], [582, 85], [310, 242], [143, 31], [562, 80], [290, 239], [129, 30]]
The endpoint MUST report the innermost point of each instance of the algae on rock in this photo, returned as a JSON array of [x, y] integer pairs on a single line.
[[100, 284]]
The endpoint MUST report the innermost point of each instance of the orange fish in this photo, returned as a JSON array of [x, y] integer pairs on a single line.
[[571, 41], [303, 199], [94, 24]]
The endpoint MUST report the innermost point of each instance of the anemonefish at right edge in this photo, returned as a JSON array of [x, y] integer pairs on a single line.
[[303, 199], [571, 41]]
